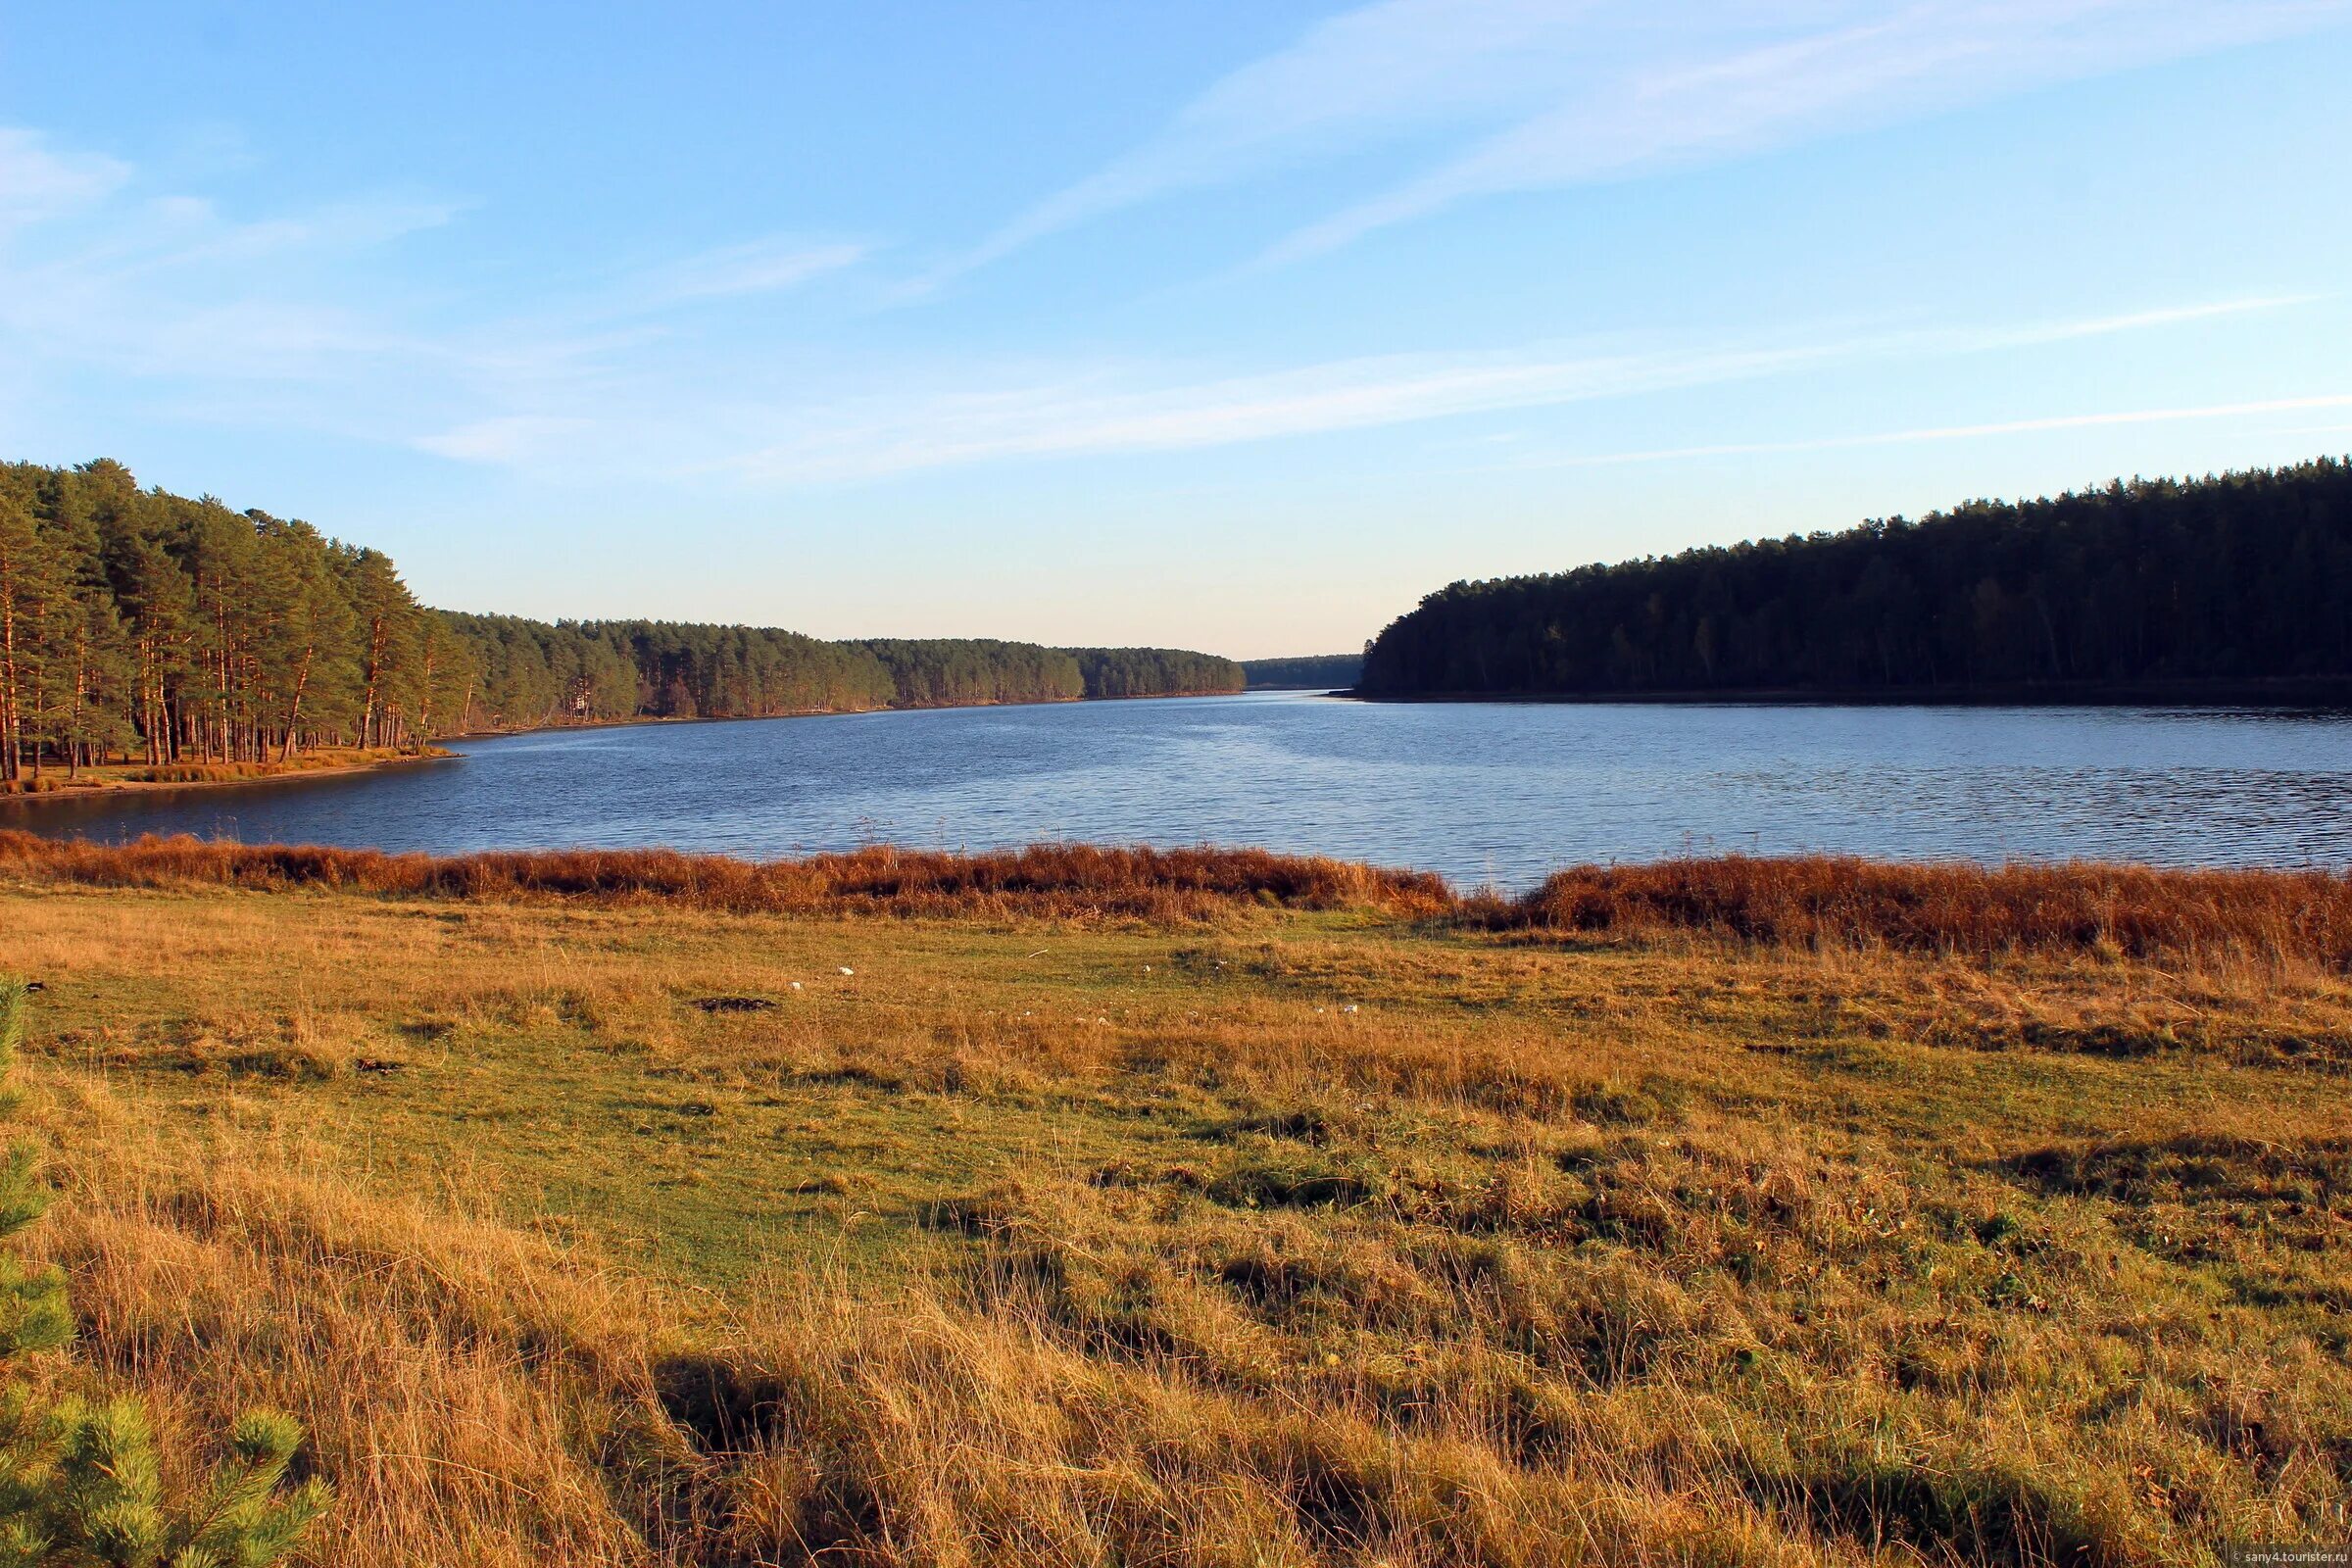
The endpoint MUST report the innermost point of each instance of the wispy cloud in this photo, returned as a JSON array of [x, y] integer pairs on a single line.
[[184, 296], [1512, 95], [187, 233], [508, 439], [760, 267], [39, 182], [313, 319], [98, 272], [310, 322], [1364, 77], [851, 440], [1885, 64], [1965, 432]]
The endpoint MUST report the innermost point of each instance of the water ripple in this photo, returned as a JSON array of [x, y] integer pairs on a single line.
[[1483, 792]]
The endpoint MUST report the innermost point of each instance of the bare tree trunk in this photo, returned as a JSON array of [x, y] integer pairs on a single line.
[[159, 718], [11, 763], [81, 693], [302, 681], [378, 634]]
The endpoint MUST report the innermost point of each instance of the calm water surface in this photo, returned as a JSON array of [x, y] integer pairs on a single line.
[[1481, 792]]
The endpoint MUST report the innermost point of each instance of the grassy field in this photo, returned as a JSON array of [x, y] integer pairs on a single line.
[[911, 1211]]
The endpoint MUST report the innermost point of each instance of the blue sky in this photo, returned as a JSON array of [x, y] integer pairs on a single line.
[[1229, 325]]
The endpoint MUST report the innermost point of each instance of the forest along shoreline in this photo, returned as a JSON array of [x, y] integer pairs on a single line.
[[188, 641], [2330, 694], [2228, 588]]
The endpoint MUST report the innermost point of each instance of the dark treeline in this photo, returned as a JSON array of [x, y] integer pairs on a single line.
[[141, 625], [533, 672], [953, 671], [957, 672], [2241, 577], [1311, 672], [1154, 672]]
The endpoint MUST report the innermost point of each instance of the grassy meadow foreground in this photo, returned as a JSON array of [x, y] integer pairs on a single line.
[[1100, 1208]]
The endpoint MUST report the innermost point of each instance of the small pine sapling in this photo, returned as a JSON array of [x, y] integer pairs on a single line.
[[80, 1482]]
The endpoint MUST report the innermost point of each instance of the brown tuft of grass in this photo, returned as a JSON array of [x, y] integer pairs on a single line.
[[1812, 903], [1053, 880], [444, 1366], [1841, 901]]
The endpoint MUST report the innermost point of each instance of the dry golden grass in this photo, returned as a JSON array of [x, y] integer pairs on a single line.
[[1816, 900], [1809, 901], [442, 1364], [586, 1226], [1061, 881]]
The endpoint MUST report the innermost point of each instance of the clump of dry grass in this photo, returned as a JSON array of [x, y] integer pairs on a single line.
[[1821, 901], [227, 772], [456, 1377], [1053, 880], [1808, 902]]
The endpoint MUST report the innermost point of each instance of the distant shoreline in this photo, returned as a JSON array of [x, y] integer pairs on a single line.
[[100, 784], [643, 719], [2311, 692]]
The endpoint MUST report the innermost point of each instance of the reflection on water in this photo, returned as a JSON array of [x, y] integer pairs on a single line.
[[1483, 792]]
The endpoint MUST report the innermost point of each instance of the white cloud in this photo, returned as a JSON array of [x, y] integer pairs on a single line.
[[340, 226], [851, 440], [1544, 93], [508, 439], [1968, 432], [1887, 64], [37, 181], [314, 319], [168, 286], [760, 266], [1364, 76]]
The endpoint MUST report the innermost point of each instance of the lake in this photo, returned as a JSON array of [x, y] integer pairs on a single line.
[[1485, 792]]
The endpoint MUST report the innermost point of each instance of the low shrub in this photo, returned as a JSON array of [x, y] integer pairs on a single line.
[[83, 1482]]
